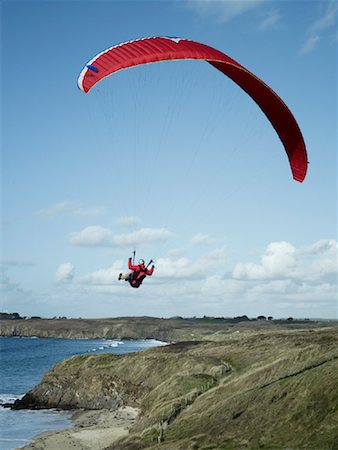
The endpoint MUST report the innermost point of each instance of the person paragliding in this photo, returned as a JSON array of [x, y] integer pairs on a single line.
[[138, 274]]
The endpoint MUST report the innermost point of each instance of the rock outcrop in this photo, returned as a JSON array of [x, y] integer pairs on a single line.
[[109, 381]]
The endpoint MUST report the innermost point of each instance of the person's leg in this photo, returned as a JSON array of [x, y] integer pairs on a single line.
[[124, 276]]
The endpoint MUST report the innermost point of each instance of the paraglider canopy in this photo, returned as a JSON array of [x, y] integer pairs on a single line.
[[154, 49]]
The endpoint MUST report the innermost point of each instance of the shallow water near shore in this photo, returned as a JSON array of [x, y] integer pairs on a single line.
[[23, 362]]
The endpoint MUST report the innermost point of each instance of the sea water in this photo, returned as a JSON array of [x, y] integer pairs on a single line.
[[23, 362]]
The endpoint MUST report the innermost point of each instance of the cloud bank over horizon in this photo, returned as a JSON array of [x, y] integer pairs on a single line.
[[284, 280]]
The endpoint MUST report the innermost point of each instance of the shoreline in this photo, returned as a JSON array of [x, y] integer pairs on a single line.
[[92, 430]]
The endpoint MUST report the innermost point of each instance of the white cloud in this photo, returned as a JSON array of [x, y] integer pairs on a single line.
[[128, 221], [54, 210], [65, 273], [92, 236], [186, 269], [321, 247], [142, 236], [89, 211], [271, 20], [224, 10], [281, 260], [310, 43], [319, 262], [96, 236], [181, 268], [326, 21], [278, 261], [104, 276], [328, 18], [201, 239], [69, 208]]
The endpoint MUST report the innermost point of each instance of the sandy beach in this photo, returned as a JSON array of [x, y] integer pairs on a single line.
[[93, 430]]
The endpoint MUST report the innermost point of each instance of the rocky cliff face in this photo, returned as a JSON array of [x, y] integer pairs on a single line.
[[110, 381], [240, 390]]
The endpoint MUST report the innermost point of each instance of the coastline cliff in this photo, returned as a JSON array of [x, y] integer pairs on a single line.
[[243, 389]]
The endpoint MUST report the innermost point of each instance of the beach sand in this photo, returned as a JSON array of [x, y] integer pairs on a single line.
[[93, 430]]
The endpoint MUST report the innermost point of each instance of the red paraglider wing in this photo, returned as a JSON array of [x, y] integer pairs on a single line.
[[148, 50]]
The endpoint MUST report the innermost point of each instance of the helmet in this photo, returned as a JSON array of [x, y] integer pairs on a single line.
[[141, 261]]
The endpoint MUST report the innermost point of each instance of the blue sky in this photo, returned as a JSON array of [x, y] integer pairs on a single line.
[[170, 158]]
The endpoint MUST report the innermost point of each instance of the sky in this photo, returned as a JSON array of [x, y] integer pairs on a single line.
[[172, 160]]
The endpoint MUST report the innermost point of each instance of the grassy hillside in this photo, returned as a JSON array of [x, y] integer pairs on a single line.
[[250, 389]]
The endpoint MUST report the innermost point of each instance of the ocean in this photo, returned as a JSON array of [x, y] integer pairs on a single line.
[[23, 362]]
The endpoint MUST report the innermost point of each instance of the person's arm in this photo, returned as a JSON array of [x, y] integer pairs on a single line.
[[130, 266], [150, 271]]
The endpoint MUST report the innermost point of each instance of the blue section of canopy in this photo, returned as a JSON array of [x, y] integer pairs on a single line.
[[93, 68]]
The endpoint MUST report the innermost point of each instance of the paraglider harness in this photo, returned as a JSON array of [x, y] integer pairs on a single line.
[[135, 278]]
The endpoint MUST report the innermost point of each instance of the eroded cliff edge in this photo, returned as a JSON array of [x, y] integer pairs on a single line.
[[250, 389]]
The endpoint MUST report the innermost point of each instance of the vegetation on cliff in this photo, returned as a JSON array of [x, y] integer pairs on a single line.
[[270, 389]]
